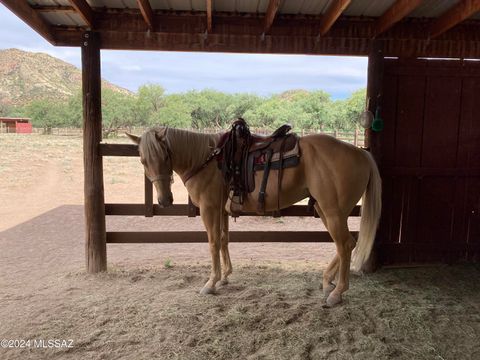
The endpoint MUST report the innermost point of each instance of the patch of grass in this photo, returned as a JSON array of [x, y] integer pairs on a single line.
[[167, 264]]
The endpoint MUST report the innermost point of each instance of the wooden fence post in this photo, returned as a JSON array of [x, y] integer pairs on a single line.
[[95, 234]]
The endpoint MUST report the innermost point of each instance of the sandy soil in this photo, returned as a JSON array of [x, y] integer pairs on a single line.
[[147, 306]]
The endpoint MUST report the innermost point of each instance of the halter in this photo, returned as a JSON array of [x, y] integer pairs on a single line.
[[161, 177], [164, 176]]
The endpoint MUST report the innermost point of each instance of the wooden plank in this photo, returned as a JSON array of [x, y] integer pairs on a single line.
[[148, 197], [333, 12], [272, 9], [183, 237], [85, 11], [453, 16], [185, 210], [394, 14], [22, 9], [293, 35], [147, 12], [95, 248], [53, 9], [209, 16], [409, 127], [118, 149]]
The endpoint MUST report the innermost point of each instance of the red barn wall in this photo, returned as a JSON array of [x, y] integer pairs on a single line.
[[430, 150]]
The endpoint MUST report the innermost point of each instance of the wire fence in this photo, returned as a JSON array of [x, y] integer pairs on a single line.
[[355, 137]]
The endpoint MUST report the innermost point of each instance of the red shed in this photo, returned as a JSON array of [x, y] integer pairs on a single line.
[[16, 125]]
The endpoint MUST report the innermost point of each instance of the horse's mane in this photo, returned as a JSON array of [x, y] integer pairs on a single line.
[[179, 142]]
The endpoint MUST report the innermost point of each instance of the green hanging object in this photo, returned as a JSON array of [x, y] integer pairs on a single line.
[[377, 124]]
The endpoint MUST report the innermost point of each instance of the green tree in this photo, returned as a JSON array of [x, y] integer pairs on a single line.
[[176, 112], [116, 111], [46, 113]]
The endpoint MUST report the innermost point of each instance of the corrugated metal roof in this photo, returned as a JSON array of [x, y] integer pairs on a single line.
[[433, 8], [373, 8], [368, 8]]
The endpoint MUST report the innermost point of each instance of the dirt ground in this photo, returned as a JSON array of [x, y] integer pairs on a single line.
[[147, 306]]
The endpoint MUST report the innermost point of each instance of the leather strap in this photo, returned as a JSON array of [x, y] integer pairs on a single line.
[[280, 172], [263, 186]]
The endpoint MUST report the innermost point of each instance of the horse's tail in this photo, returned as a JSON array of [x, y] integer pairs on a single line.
[[371, 209]]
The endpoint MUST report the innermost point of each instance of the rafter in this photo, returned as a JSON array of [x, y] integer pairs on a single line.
[[394, 14], [209, 16], [84, 10], [22, 9], [455, 15], [333, 12], [272, 9], [147, 12], [53, 9]]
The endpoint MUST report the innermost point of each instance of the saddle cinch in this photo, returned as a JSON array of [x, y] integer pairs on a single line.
[[241, 154]]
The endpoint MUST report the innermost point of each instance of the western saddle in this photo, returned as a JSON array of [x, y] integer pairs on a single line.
[[240, 154]]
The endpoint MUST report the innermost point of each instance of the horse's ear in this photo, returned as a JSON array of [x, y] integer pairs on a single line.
[[160, 134], [134, 138]]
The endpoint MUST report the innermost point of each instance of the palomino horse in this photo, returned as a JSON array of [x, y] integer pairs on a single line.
[[334, 173]]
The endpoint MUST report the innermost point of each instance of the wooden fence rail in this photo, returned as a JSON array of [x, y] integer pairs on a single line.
[[148, 209], [355, 137]]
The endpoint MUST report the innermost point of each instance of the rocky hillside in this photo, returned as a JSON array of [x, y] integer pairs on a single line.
[[26, 76]]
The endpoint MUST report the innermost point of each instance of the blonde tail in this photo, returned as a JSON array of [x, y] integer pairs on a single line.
[[371, 209]]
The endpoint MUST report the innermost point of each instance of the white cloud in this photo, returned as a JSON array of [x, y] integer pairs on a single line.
[[176, 72]]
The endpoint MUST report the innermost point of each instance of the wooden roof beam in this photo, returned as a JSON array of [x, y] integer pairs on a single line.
[[209, 16], [85, 11], [333, 12], [453, 16], [53, 9], [272, 9], [147, 12], [394, 14], [23, 10]]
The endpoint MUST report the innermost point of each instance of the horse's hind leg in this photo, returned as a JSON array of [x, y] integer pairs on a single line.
[[332, 268], [226, 263], [338, 229]]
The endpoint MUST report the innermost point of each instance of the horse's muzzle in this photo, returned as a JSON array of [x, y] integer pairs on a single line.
[[166, 203]]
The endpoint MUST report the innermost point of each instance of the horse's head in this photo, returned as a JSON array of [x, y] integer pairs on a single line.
[[157, 161]]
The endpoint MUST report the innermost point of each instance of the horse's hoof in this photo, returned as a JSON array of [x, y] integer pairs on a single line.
[[207, 291], [333, 300], [328, 289], [223, 282]]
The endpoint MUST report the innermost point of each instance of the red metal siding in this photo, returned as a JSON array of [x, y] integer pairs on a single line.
[[430, 162], [24, 128]]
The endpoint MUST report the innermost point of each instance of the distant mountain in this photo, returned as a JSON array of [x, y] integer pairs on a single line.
[[27, 76]]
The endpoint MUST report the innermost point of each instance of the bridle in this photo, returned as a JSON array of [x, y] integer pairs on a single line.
[[162, 177], [165, 176]]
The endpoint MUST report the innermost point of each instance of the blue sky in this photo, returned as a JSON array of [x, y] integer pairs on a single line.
[[179, 72]]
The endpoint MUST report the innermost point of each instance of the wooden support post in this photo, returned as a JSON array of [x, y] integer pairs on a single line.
[[95, 234], [148, 198], [372, 139]]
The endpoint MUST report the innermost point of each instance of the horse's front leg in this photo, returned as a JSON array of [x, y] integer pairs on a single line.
[[226, 263], [212, 220]]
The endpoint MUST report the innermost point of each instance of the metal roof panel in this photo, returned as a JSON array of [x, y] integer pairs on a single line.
[[308, 7], [373, 8], [59, 18], [433, 8]]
